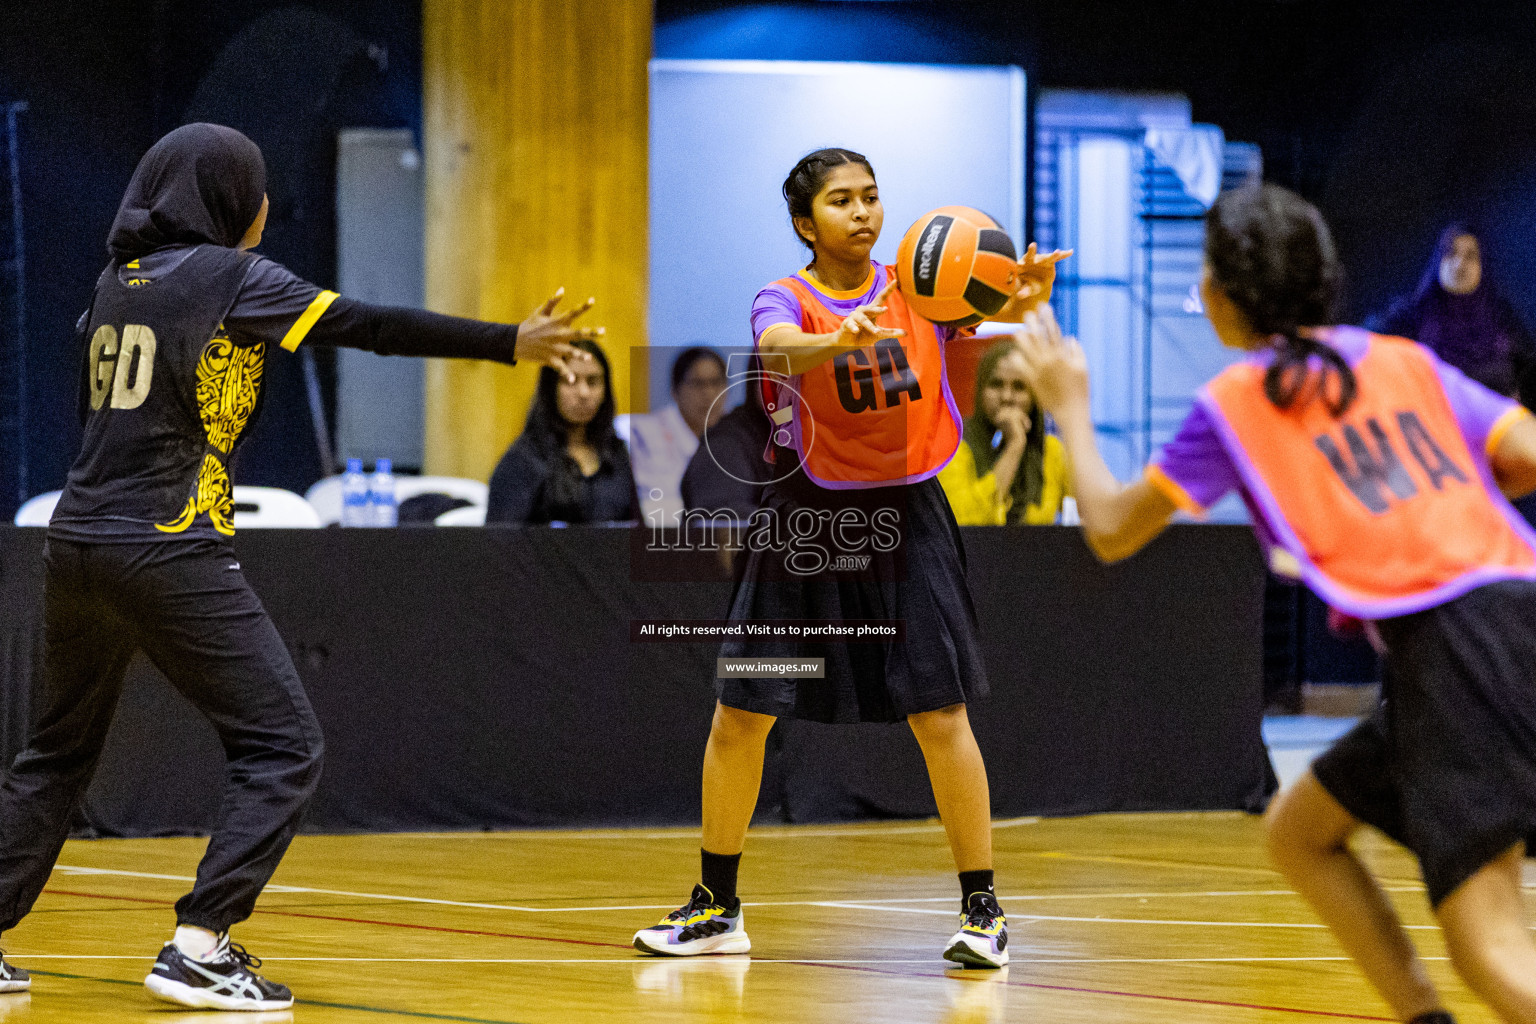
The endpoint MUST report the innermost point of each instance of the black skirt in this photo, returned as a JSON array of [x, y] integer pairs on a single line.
[[1446, 765], [914, 573]]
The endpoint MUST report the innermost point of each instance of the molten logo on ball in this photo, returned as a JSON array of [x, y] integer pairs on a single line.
[[956, 266], [933, 243]]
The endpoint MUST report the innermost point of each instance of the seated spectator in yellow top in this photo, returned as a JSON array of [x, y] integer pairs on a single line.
[[1008, 470]]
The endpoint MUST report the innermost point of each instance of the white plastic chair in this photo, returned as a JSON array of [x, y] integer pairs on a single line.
[[37, 511], [468, 515], [275, 509], [324, 496]]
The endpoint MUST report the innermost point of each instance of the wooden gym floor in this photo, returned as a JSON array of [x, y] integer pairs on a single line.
[[1145, 918]]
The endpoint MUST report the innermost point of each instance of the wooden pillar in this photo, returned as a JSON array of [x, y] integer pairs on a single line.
[[534, 121]]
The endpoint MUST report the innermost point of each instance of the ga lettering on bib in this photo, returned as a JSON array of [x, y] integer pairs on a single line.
[[874, 416]]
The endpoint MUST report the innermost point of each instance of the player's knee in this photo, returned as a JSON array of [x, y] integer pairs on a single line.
[[733, 725], [1474, 952], [941, 726], [1286, 836]]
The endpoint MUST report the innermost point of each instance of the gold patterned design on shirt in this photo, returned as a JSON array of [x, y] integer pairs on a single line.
[[228, 384], [228, 381], [214, 495]]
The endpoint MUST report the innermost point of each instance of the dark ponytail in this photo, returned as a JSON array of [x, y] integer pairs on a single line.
[[808, 177], [1271, 253]]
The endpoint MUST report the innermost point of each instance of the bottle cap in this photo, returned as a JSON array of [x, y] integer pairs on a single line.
[[383, 466], [354, 465]]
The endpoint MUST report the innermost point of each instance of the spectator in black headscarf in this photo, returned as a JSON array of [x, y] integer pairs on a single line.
[[1459, 314], [568, 466]]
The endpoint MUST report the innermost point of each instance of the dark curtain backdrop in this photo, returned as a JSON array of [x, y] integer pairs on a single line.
[[104, 81], [1395, 116], [500, 687]]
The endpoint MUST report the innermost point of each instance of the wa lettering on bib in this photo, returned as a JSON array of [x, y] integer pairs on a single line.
[[1385, 510]]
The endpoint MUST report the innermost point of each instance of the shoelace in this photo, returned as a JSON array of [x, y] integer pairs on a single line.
[[982, 913], [697, 902], [236, 952]]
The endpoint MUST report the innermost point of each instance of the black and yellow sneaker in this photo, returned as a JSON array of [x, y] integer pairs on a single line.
[[13, 978], [697, 927], [224, 981], [982, 940]]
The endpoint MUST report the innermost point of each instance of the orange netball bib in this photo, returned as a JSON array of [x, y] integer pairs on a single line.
[[874, 416], [1385, 510]]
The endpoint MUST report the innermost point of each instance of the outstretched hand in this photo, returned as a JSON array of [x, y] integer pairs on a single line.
[[1037, 275], [1054, 366], [859, 329], [546, 336]]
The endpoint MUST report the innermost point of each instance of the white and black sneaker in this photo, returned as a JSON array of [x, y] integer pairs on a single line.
[[13, 978], [224, 981], [698, 927], [982, 940]]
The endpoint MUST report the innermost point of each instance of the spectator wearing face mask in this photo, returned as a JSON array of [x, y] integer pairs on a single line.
[[1007, 470]]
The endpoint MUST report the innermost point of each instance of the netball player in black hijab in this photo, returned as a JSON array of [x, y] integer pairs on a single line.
[[180, 326]]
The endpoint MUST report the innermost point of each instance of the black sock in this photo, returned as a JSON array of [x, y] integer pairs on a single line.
[[1434, 1017], [972, 882], [719, 876]]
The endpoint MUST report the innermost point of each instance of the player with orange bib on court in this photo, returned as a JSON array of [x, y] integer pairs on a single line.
[[865, 421], [1377, 475]]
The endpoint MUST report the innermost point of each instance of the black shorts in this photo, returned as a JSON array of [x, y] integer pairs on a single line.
[[921, 582], [1446, 765]]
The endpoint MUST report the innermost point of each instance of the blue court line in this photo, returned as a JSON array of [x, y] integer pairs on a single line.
[[300, 1002]]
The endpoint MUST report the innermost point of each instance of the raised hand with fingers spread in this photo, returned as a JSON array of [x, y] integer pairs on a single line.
[[545, 336], [1037, 279], [859, 329], [1055, 366]]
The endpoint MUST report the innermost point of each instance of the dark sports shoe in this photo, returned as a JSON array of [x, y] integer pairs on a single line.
[[225, 981], [982, 940], [13, 978], [697, 927]]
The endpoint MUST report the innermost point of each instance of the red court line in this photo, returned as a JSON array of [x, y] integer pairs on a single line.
[[1126, 995], [454, 931], [839, 967]]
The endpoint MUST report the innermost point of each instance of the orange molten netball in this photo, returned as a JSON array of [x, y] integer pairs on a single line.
[[956, 266]]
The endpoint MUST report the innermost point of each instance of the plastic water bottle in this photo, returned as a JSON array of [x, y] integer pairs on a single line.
[[383, 511], [354, 495]]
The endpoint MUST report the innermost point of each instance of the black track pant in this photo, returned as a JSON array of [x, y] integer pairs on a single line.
[[186, 604]]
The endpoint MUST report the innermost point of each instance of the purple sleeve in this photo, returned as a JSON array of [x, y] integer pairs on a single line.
[[1196, 463], [1477, 408], [775, 304]]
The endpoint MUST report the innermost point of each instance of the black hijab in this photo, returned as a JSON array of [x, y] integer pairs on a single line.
[[200, 183], [1478, 333]]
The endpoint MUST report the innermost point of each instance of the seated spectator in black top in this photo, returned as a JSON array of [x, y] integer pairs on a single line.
[[1457, 312], [728, 471], [568, 466]]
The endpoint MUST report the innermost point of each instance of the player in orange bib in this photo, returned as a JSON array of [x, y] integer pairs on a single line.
[[1379, 476], [852, 527]]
